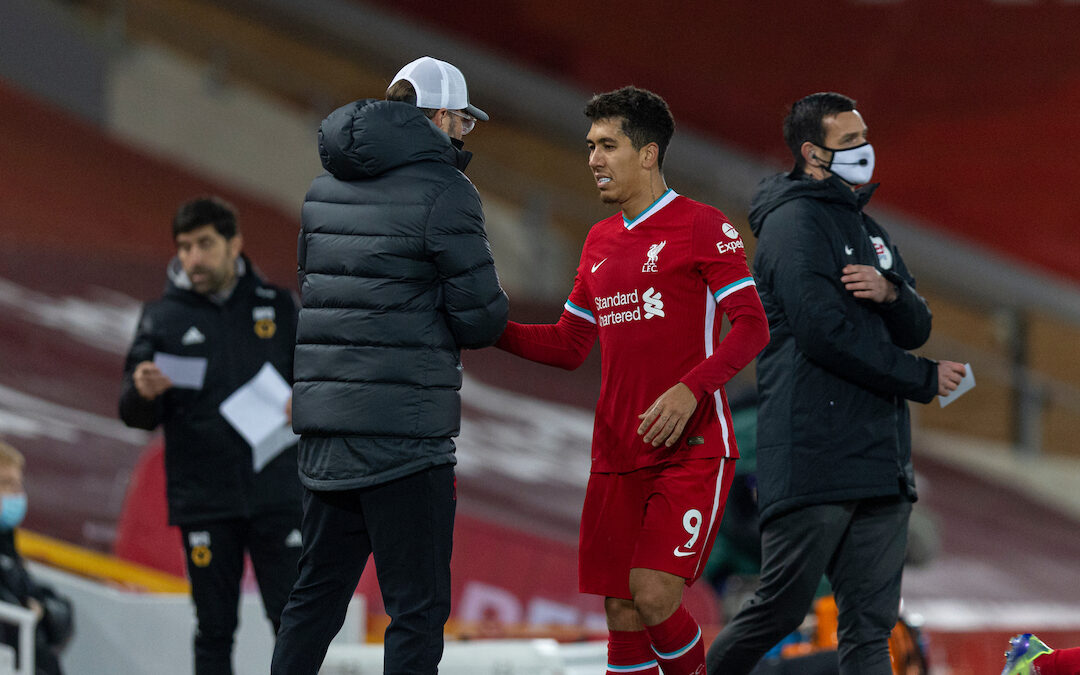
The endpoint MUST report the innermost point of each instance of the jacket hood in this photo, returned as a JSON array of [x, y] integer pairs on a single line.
[[369, 137], [775, 191]]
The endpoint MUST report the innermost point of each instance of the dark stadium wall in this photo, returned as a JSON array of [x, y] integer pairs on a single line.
[[68, 186], [46, 48], [970, 102]]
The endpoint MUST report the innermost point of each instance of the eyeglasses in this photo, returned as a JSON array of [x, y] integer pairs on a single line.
[[467, 121]]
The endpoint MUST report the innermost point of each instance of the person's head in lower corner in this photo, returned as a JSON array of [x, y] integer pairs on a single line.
[[208, 242], [438, 88], [12, 494]]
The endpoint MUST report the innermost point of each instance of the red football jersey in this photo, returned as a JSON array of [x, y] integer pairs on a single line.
[[651, 287]]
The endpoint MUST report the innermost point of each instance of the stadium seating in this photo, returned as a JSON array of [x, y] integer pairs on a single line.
[[80, 211]]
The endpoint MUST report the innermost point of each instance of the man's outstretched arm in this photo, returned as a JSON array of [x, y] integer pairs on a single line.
[[564, 344]]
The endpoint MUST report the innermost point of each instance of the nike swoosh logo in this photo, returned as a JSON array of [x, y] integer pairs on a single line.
[[597, 265], [848, 250], [683, 554]]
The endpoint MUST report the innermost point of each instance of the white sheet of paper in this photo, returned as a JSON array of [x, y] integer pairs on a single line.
[[967, 383], [186, 372], [257, 412], [272, 446]]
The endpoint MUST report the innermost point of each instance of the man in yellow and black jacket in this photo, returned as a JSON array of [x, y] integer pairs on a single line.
[[216, 307]]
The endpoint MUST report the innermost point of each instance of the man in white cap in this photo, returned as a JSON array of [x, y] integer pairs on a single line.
[[396, 277], [436, 87]]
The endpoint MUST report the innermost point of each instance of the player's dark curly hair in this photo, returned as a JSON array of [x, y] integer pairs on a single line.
[[205, 211], [645, 116], [804, 122]]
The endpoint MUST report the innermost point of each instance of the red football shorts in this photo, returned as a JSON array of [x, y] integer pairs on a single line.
[[661, 517]]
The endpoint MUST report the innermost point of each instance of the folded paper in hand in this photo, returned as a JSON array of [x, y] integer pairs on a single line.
[[257, 412], [966, 385], [186, 372]]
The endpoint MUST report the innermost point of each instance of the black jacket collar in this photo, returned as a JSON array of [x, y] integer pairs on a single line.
[[457, 155]]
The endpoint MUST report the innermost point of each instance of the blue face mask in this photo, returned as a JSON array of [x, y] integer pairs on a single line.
[[12, 511]]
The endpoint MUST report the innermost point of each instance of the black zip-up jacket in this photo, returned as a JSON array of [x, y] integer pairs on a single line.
[[396, 277], [208, 465], [833, 382], [17, 587]]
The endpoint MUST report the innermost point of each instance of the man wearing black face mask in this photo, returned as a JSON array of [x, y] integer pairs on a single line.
[[396, 278], [835, 480]]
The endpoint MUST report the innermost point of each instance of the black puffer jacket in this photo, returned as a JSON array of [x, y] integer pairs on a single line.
[[396, 277], [208, 465], [833, 422]]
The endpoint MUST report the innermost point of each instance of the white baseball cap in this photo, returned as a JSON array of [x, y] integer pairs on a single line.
[[438, 84]]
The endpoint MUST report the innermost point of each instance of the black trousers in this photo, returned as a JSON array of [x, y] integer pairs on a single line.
[[215, 565], [860, 546], [407, 525]]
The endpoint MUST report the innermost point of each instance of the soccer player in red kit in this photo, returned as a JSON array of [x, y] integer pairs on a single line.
[[653, 284]]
